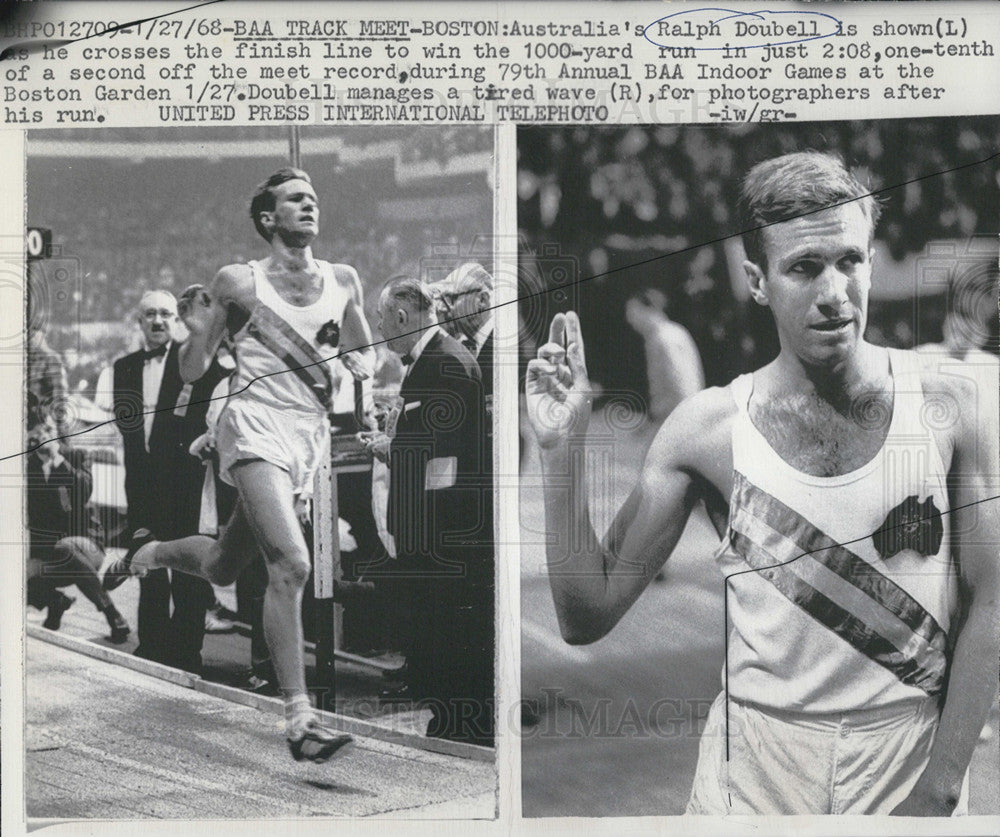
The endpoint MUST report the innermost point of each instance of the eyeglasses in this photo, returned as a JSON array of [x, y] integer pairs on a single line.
[[449, 299], [151, 314]]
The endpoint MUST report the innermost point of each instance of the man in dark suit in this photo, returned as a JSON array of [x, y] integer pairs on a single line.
[[159, 417], [465, 307], [437, 515], [464, 301]]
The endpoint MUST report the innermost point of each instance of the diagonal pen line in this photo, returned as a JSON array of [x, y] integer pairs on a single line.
[[726, 585], [542, 292]]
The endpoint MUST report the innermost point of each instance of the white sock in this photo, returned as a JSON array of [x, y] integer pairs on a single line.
[[298, 712]]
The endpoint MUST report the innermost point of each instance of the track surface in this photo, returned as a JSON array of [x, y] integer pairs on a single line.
[[106, 742]]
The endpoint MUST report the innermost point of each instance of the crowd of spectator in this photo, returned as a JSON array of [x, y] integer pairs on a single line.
[[121, 227], [614, 198], [442, 146]]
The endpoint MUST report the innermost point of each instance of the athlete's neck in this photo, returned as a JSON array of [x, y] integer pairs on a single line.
[[289, 260], [863, 371]]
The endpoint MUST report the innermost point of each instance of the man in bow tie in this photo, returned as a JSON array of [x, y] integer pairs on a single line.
[[159, 416], [438, 514]]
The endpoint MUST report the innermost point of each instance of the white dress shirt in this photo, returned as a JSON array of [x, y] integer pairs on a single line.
[[152, 379]]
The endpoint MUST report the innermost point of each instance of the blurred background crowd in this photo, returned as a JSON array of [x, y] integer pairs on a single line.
[[651, 209], [138, 209]]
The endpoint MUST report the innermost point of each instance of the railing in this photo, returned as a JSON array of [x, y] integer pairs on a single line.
[[347, 455]]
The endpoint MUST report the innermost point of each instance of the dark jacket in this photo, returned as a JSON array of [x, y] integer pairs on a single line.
[[57, 506], [163, 485], [485, 361], [438, 518]]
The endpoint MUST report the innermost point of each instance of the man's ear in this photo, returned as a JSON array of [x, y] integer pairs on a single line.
[[757, 281], [267, 220], [402, 316], [484, 299]]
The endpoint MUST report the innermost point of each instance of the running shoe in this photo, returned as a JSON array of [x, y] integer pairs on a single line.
[[318, 743], [118, 571]]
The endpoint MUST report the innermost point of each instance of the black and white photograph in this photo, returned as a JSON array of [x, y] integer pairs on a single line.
[[759, 468], [258, 473]]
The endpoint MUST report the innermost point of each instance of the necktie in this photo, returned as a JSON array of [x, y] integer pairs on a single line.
[[159, 351], [406, 359], [470, 344]]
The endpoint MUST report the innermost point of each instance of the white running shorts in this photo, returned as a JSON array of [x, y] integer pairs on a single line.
[[293, 440], [862, 762]]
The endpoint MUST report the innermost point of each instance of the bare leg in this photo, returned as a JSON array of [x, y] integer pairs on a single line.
[[218, 561], [266, 495], [264, 519]]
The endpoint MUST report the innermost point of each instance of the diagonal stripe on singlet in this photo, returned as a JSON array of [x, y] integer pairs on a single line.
[[839, 589], [810, 539], [279, 338]]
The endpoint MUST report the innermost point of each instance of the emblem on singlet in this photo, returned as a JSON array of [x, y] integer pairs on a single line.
[[839, 589], [911, 525], [329, 334]]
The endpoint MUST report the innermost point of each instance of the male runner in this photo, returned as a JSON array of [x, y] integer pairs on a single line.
[[287, 317], [850, 486]]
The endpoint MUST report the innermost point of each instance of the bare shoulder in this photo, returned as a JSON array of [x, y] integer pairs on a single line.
[[934, 379], [962, 407], [697, 435], [233, 283], [348, 278], [947, 389]]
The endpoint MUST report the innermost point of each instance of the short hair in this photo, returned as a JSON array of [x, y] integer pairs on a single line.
[[139, 306], [792, 185], [408, 290], [263, 196], [471, 272]]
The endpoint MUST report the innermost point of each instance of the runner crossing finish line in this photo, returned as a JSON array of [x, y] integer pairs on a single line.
[[287, 317]]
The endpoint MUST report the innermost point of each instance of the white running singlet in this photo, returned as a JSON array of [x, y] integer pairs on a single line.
[[280, 337], [853, 588]]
